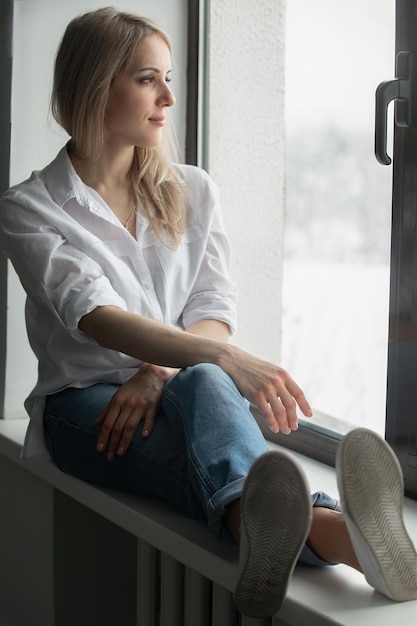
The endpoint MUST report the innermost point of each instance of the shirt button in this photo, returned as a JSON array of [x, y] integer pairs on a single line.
[[147, 286]]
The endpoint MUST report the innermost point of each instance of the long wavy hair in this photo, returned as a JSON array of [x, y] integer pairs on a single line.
[[94, 49]]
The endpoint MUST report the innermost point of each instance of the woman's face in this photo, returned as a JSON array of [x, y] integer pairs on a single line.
[[139, 97]]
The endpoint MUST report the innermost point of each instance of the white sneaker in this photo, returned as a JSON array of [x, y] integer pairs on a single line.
[[276, 516], [371, 487]]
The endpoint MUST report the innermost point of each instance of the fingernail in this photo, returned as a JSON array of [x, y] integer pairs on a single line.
[[294, 426], [145, 432], [121, 451], [110, 456], [100, 447]]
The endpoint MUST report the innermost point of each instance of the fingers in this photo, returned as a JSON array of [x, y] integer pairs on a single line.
[[149, 422], [279, 407], [118, 430], [280, 418], [299, 397], [135, 401], [122, 433], [285, 414]]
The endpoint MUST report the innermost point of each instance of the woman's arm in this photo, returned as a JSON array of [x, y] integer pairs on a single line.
[[212, 329], [138, 399], [267, 386], [148, 340]]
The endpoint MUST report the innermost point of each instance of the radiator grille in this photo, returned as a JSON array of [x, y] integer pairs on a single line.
[[170, 594]]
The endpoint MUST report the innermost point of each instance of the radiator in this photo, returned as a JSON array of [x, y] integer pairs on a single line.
[[171, 594]]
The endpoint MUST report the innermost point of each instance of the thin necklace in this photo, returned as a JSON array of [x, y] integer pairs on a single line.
[[126, 223]]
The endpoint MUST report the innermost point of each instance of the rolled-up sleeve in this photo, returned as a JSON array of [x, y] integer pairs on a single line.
[[74, 285], [63, 278], [213, 294]]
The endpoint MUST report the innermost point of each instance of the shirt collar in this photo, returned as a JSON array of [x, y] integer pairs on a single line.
[[62, 181]]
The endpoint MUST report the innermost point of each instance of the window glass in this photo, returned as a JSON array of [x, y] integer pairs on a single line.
[[338, 209]]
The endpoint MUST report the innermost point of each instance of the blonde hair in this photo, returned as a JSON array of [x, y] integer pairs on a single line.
[[94, 49]]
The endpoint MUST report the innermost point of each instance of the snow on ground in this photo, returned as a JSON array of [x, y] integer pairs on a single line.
[[334, 338]]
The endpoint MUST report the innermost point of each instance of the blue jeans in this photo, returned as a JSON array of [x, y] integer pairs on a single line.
[[203, 444]]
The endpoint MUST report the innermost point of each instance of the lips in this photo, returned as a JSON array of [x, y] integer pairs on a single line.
[[158, 120]]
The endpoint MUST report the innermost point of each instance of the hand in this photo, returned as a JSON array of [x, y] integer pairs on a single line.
[[138, 399], [271, 389]]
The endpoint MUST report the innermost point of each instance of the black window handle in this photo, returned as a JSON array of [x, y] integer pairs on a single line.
[[403, 89]]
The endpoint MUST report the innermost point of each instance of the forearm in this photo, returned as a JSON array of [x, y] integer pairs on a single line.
[[212, 329], [267, 386], [152, 342]]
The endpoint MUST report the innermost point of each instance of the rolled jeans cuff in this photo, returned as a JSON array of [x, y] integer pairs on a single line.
[[217, 504], [307, 556]]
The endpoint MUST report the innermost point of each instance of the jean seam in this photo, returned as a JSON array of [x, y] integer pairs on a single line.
[[208, 485]]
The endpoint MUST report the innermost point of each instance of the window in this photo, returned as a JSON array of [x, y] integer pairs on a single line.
[[338, 208], [348, 276]]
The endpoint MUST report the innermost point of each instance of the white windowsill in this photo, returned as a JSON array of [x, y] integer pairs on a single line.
[[334, 595]]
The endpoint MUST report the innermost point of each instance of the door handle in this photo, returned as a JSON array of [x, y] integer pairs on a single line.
[[403, 90]]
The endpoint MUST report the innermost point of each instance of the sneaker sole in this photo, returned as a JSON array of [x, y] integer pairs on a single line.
[[371, 487], [276, 517]]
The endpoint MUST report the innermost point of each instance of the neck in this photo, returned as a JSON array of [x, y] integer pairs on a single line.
[[109, 172], [109, 177]]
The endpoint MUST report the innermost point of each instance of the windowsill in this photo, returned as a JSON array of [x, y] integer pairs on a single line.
[[334, 595]]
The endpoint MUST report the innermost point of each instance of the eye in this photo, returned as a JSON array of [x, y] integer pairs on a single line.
[[147, 80]]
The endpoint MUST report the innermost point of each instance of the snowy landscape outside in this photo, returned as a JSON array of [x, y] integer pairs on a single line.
[[338, 207]]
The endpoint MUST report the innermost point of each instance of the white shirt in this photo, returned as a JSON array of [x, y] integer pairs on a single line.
[[72, 255]]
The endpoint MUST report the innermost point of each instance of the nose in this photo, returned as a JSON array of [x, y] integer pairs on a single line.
[[166, 98]]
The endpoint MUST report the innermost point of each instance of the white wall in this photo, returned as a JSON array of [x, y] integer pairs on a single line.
[[38, 27], [246, 156]]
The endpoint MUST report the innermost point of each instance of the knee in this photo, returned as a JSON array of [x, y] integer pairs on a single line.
[[205, 380], [206, 376], [206, 373]]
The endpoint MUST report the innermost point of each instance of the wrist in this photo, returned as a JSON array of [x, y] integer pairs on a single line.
[[226, 358], [161, 371]]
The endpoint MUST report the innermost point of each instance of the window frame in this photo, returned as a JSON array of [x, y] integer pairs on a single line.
[[401, 423], [6, 29]]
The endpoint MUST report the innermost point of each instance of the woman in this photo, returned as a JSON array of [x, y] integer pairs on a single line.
[[124, 260]]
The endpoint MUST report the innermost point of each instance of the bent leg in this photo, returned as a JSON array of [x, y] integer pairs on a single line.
[[220, 436], [201, 448], [329, 538], [154, 466]]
